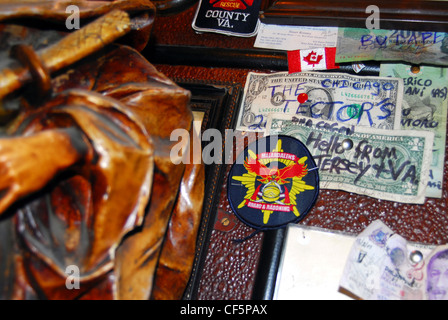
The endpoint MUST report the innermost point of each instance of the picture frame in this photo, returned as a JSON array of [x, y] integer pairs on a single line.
[[218, 104]]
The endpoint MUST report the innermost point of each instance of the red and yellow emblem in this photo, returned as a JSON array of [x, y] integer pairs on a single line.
[[273, 180], [232, 4]]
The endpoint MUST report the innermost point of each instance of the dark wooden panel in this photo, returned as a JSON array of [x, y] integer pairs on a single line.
[[400, 14]]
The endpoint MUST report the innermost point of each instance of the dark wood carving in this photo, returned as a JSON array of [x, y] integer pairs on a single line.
[[92, 203]]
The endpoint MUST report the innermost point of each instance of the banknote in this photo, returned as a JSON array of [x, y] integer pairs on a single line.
[[366, 101], [437, 265], [382, 265], [425, 106], [358, 44], [385, 164]]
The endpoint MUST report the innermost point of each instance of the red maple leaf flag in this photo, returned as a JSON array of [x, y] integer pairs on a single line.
[[312, 59]]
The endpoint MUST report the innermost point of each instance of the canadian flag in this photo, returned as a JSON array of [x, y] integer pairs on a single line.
[[312, 59]]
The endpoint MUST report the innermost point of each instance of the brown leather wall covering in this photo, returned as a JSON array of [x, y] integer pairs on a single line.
[[230, 268]]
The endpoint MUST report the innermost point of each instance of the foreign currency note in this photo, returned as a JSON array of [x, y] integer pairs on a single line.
[[385, 164], [425, 106], [382, 265], [436, 274], [358, 44], [365, 101]]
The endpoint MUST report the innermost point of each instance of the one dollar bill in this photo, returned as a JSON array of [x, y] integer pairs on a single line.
[[358, 44], [385, 164], [366, 101]]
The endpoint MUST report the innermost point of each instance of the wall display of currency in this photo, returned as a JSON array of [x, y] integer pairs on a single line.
[[365, 101], [425, 106], [385, 164], [358, 44], [382, 265]]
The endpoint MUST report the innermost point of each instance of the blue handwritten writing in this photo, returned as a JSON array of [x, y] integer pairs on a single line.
[[402, 38], [288, 89], [259, 125], [411, 81], [440, 93], [417, 123], [367, 85], [342, 113]]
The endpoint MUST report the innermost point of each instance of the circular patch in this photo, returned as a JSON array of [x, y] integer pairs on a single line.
[[272, 183]]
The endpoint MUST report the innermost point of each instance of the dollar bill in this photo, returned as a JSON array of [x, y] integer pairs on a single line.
[[358, 44], [366, 101], [425, 106], [385, 164], [382, 265]]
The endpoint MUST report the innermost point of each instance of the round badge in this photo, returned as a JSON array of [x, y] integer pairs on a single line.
[[272, 183]]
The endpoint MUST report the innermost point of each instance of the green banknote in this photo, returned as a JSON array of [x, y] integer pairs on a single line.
[[385, 164], [425, 107], [358, 44]]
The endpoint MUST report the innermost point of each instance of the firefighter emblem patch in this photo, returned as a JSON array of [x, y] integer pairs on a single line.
[[273, 182]]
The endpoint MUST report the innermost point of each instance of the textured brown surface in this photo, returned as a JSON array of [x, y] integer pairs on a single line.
[[229, 271], [101, 199], [230, 268]]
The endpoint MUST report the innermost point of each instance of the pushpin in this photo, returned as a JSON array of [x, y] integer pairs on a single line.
[[416, 256], [303, 97]]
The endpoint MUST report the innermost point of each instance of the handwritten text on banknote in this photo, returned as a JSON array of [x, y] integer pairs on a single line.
[[366, 101], [386, 164]]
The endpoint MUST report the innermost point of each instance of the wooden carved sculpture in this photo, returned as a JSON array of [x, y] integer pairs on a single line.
[[86, 176]]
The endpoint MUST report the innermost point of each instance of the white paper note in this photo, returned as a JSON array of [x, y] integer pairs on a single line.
[[290, 38]]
